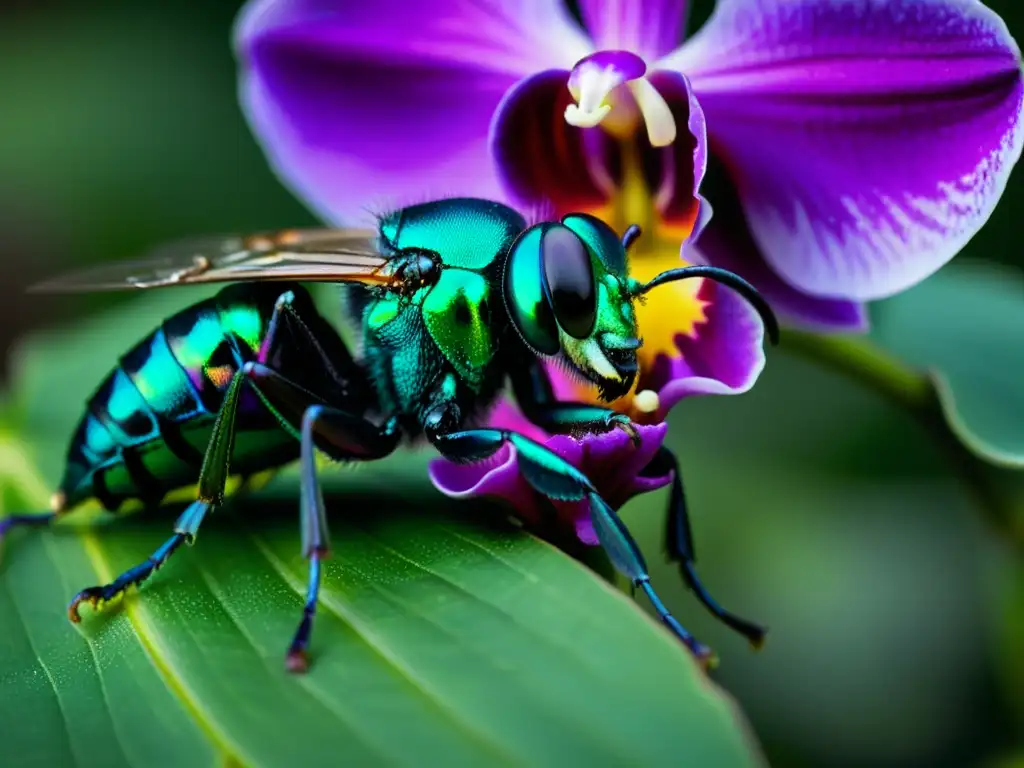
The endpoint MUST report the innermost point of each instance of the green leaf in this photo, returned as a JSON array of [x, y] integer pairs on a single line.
[[965, 326], [441, 636], [444, 636]]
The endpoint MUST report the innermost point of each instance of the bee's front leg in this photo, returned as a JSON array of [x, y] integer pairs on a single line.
[[554, 477], [536, 399]]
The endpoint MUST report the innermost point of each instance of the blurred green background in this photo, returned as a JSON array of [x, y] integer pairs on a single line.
[[819, 509]]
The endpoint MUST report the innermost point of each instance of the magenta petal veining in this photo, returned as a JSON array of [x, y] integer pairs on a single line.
[[726, 242]]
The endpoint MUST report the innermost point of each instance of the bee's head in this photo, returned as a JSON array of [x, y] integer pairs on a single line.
[[568, 292]]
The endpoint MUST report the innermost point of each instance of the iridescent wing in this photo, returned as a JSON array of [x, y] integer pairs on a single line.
[[310, 255]]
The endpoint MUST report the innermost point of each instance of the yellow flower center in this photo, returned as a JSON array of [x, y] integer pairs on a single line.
[[668, 311]]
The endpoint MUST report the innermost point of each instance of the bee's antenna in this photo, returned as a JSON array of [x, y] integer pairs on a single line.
[[726, 278]]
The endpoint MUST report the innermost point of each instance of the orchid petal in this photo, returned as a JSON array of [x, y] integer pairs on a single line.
[[869, 139], [727, 243], [674, 173], [724, 357], [346, 97], [543, 161], [650, 28]]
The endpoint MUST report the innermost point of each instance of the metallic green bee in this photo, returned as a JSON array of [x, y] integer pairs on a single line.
[[453, 297]]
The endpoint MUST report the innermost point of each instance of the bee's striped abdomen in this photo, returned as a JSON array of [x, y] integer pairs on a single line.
[[146, 427]]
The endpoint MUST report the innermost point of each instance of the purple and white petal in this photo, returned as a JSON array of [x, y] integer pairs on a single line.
[[726, 242], [650, 28], [363, 106], [869, 139]]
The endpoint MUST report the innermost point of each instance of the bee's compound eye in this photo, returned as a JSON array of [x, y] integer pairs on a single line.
[[527, 305], [570, 278], [601, 239]]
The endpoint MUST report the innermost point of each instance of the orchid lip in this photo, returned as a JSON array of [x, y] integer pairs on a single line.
[[595, 83]]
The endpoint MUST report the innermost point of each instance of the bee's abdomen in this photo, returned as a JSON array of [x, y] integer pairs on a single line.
[[146, 427]]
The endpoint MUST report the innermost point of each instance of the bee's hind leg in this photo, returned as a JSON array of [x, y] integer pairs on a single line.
[[679, 543], [38, 520], [185, 530], [58, 507], [342, 435], [212, 479]]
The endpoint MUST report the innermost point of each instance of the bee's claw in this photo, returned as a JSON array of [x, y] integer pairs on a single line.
[[623, 422], [707, 658], [634, 434], [297, 661], [91, 595]]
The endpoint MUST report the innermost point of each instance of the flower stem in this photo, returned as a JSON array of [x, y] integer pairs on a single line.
[[996, 491]]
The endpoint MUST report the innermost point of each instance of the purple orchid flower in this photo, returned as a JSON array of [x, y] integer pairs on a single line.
[[609, 459], [866, 140]]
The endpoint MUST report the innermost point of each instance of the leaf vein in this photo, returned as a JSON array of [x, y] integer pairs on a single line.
[[158, 656], [382, 649], [45, 670], [325, 703], [99, 671]]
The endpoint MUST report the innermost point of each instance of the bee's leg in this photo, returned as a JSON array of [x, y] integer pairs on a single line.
[[536, 398], [342, 436], [557, 479], [296, 326], [58, 508], [24, 521], [679, 543], [212, 478], [346, 436]]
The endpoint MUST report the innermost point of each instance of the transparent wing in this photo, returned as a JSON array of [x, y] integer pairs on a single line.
[[312, 255]]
